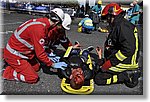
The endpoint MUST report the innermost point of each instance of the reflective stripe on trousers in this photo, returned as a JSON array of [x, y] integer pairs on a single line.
[[21, 77], [12, 51]]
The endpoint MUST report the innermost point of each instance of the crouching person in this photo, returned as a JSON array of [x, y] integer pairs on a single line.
[[86, 25], [25, 48], [119, 64]]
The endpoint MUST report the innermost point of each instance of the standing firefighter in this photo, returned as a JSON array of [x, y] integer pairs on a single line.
[[121, 50], [26, 44]]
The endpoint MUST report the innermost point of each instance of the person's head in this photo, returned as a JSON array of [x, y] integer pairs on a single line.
[[110, 11], [77, 78], [99, 2], [135, 2], [86, 15], [56, 16], [131, 5], [65, 24]]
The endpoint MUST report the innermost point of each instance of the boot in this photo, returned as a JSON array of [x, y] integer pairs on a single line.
[[132, 78]]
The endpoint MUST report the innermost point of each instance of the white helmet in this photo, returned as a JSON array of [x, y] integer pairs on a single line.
[[67, 21], [59, 12], [131, 5], [86, 15]]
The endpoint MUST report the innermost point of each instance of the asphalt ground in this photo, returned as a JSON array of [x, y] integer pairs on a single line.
[[49, 84]]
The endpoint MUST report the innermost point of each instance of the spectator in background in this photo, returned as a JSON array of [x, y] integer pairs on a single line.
[[78, 11], [141, 13], [96, 14], [135, 13], [129, 11], [82, 11], [97, 8]]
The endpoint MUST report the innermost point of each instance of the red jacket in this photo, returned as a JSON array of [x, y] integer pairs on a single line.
[[28, 40]]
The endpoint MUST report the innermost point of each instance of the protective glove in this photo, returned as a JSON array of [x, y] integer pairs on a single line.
[[53, 57], [51, 54], [60, 65], [106, 65]]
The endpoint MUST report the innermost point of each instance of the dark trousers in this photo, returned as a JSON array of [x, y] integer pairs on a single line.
[[107, 78]]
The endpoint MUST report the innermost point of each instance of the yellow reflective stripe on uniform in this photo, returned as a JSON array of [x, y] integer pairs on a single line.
[[68, 51], [120, 56], [136, 50], [135, 30], [115, 78], [133, 59], [108, 81], [88, 22], [115, 69], [123, 67], [126, 65]]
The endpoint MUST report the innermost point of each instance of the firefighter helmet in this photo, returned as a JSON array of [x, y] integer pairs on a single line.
[[67, 21], [112, 8]]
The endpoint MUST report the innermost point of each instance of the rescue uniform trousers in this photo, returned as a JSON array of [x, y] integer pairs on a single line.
[[22, 70]]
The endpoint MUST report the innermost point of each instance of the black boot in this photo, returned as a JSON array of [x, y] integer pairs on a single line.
[[133, 76]]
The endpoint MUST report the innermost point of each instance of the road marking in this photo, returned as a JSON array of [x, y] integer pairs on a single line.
[[7, 32], [10, 23]]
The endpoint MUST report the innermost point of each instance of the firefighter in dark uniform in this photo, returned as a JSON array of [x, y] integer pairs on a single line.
[[119, 64]]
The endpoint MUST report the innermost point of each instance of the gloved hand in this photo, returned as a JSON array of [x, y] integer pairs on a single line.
[[53, 57], [51, 54], [60, 65]]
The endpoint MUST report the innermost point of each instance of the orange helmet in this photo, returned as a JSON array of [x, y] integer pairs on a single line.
[[112, 8]]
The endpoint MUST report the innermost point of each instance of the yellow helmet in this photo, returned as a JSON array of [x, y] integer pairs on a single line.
[[99, 2]]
